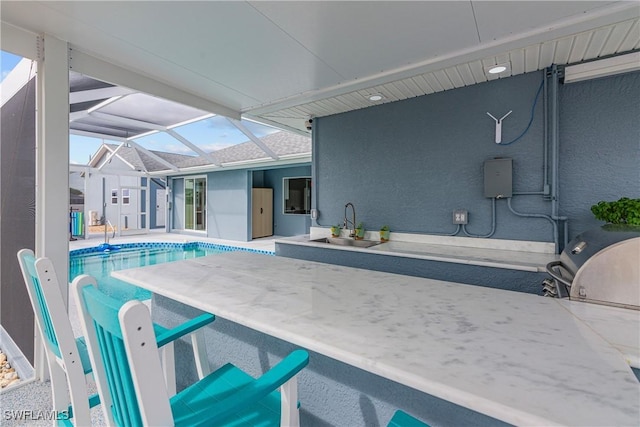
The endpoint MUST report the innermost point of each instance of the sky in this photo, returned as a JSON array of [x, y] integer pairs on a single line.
[[209, 134], [8, 61]]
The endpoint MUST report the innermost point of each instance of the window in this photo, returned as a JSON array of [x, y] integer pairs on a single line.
[[125, 196], [114, 197], [297, 195], [195, 202]]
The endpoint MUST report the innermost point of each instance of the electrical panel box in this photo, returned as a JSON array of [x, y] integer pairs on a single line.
[[498, 178]]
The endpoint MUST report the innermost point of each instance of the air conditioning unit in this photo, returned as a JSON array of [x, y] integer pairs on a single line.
[[93, 218]]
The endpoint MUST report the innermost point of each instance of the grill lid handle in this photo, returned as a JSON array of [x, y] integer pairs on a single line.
[[557, 276], [579, 248]]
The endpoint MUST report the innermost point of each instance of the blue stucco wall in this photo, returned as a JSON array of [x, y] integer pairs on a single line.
[[331, 393], [599, 146], [499, 278], [228, 205], [286, 225], [410, 163]]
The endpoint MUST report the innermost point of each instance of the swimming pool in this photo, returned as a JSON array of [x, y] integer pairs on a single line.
[[100, 263]]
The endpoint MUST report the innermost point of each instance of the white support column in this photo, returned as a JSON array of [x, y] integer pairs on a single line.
[[85, 191], [118, 220], [147, 201], [168, 204], [52, 158], [52, 169]]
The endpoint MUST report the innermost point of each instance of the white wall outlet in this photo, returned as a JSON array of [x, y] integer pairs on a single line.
[[460, 216]]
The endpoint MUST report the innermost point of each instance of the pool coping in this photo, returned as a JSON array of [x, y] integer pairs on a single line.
[[176, 245]]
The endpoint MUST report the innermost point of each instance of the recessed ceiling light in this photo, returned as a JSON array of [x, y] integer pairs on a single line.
[[375, 97], [497, 69]]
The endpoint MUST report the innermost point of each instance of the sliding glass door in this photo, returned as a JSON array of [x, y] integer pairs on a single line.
[[195, 202]]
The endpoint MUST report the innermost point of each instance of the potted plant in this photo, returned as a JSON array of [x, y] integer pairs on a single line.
[[384, 233], [360, 231], [335, 231], [624, 212]]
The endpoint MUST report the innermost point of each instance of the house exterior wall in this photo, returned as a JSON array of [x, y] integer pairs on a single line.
[[599, 146], [229, 203], [94, 198], [112, 212], [410, 163], [286, 224]]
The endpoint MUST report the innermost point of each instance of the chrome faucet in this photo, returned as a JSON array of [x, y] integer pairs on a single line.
[[352, 233]]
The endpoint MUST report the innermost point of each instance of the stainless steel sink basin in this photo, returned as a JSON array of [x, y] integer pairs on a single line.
[[347, 242]]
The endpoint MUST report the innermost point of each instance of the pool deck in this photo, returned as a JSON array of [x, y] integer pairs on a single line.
[[265, 243]]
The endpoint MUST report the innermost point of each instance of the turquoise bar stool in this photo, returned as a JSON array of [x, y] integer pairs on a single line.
[[402, 419], [67, 356], [128, 374]]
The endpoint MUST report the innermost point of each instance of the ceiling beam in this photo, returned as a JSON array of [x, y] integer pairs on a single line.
[[127, 121], [97, 135], [77, 115], [278, 125], [189, 121], [112, 153], [192, 146], [155, 156], [84, 168], [96, 94], [137, 154], [18, 41], [242, 128], [111, 73]]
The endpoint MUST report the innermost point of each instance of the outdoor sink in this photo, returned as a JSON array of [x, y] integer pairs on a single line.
[[347, 242]]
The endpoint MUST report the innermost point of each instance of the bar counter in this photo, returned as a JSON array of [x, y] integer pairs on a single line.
[[523, 359]]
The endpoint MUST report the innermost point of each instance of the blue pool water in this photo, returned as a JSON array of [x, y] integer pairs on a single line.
[[99, 263]]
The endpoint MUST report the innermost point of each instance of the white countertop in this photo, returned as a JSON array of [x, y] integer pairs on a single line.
[[524, 359], [613, 324], [515, 257]]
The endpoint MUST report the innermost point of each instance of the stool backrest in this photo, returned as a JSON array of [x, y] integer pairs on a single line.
[[123, 350], [63, 356]]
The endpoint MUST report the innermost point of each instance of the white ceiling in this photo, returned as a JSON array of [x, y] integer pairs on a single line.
[[282, 62]]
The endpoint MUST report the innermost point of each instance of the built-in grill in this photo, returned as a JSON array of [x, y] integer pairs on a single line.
[[600, 266]]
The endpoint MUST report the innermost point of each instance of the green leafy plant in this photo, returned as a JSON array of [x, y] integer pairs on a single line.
[[623, 211], [335, 230], [384, 233], [360, 231]]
